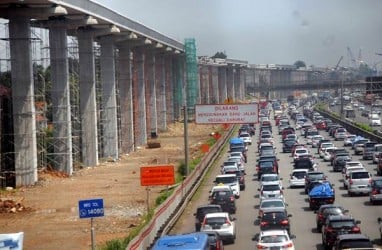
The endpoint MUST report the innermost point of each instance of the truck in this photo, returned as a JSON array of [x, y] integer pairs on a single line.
[[321, 194]]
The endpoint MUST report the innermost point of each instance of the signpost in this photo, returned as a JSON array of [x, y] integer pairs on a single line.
[[157, 175], [91, 209]]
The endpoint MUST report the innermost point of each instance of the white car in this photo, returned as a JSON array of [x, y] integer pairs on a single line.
[[315, 139], [346, 174], [297, 178], [328, 153], [239, 161], [271, 190], [220, 187], [265, 178], [230, 180], [300, 151], [323, 146], [222, 223], [274, 239], [246, 138], [348, 140]]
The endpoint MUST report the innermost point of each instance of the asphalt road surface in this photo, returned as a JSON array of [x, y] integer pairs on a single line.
[[303, 219]]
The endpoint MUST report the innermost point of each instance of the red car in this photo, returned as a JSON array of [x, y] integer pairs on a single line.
[[321, 125]]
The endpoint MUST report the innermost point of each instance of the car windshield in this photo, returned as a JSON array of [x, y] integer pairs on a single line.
[[271, 187], [272, 204], [273, 239], [360, 175], [377, 183], [356, 243], [266, 164], [269, 178], [316, 176], [215, 220], [299, 174], [226, 180], [342, 224]]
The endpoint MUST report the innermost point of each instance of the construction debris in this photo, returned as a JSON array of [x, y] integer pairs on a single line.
[[8, 205]]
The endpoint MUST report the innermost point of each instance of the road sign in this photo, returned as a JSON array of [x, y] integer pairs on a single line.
[[90, 208], [226, 113], [157, 175]]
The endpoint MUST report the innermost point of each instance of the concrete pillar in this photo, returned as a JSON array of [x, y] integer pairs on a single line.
[[139, 98], [231, 83], [204, 84], [222, 84], [125, 84], [214, 82], [24, 117], [60, 93], [151, 97], [169, 90], [88, 108], [243, 84], [161, 93], [237, 87], [178, 76], [109, 102]]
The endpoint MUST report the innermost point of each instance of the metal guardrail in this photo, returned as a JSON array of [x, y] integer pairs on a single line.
[[351, 127], [167, 213]]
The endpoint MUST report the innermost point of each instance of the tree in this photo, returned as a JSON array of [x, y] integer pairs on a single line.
[[300, 64], [221, 55]]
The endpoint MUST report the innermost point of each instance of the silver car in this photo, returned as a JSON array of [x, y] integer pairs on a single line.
[[271, 190], [359, 182]]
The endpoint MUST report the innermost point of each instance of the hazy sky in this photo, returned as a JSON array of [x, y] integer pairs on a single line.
[[267, 31]]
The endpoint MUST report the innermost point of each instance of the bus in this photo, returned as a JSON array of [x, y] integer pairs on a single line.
[[190, 241]]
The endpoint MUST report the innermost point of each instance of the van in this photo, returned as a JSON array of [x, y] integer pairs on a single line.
[[190, 241], [359, 182], [376, 152]]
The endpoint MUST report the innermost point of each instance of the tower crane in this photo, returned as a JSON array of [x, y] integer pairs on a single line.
[[352, 59]]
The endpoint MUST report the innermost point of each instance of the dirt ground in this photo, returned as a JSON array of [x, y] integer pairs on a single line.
[[50, 219]]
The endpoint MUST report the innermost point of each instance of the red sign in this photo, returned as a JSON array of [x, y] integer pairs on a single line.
[[157, 175]]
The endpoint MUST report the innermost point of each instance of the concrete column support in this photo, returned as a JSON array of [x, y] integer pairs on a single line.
[[139, 100], [161, 93], [125, 85], [178, 76], [109, 102], [222, 84], [151, 97], [24, 117], [231, 83], [63, 159], [242, 84], [169, 89], [237, 87], [204, 91], [214, 82], [88, 108]]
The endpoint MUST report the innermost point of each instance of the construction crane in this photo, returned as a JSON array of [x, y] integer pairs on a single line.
[[352, 59], [338, 63]]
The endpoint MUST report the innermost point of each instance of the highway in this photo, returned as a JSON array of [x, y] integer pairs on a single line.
[[303, 219]]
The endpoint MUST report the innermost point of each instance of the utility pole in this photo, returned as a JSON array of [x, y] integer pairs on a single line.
[[342, 96]]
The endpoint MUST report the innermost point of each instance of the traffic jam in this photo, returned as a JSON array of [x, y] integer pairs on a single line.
[[315, 146]]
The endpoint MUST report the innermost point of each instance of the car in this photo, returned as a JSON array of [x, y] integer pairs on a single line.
[[230, 180], [338, 224], [222, 223], [240, 177], [224, 198], [359, 182], [266, 147], [288, 145], [269, 204], [368, 150], [377, 152], [239, 161], [313, 176], [271, 190], [346, 173], [300, 151], [358, 146], [340, 134], [327, 153], [265, 178], [326, 210], [297, 178], [375, 189], [276, 219], [353, 242], [266, 167], [315, 139], [274, 239], [202, 210], [246, 138], [305, 163], [228, 169], [340, 161], [348, 140]]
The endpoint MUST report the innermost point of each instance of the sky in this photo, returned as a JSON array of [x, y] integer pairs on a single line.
[[317, 32]]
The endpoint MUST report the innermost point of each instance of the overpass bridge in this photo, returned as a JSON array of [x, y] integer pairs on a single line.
[[103, 84]]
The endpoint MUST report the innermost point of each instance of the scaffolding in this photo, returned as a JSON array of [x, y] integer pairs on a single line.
[[191, 86]]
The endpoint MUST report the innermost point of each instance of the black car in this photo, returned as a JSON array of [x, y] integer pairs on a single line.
[[340, 161], [288, 145], [277, 219], [304, 163], [337, 225], [214, 240], [225, 199], [266, 167], [313, 176], [326, 210], [201, 211]]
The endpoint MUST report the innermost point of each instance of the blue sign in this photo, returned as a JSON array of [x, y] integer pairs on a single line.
[[90, 208]]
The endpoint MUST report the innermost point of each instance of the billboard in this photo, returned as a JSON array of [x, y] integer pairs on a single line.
[[226, 113], [157, 175]]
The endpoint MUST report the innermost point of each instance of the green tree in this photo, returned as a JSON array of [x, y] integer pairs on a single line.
[[219, 54], [300, 64]]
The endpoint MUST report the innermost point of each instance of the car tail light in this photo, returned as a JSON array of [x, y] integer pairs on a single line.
[[350, 181], [374, 192], [320, 216], [227, 222], [347, 177], [232, 198], [261, 213], [369, 180], [204, 222], [284, 222], [355, 229], [328, 230], [257, 168], [264, 223], [290, 244]]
